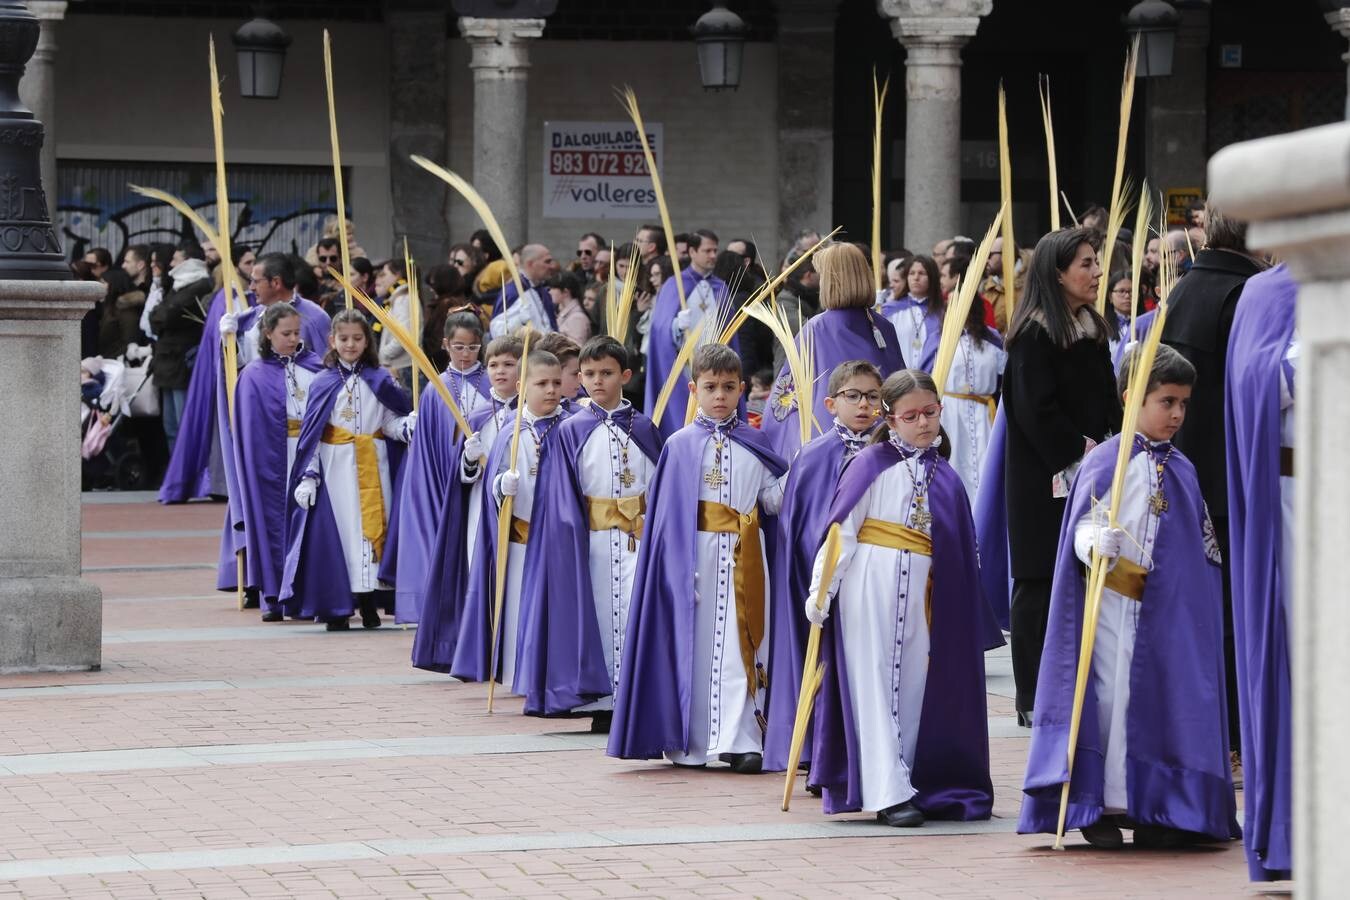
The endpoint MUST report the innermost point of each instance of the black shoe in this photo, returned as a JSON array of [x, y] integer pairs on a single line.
[[1104, 835], [744, 763], [687, 765], [902, 815], [338, 625], [1161, 837], [251, 598], [273, 615], [600, 721], [814, 790], [1024, 719], [370, 617]]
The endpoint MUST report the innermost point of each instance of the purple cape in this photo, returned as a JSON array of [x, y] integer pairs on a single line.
[[1142, 324], [802, 523], [506, 298], [991, 525], [837, 336], [951, 760], [1262, 328], [473, 653], [933, 333], [662, 351], [314, 576], [260, 450], [651, 707], [560, 661], [430, 472], [447, 576], [1177, 771]]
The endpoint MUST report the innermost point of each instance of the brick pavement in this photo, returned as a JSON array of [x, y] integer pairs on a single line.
[[324, 766]]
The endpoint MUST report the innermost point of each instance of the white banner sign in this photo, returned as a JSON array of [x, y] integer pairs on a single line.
[[596, 170]]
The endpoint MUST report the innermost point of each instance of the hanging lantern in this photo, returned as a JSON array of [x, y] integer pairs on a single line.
[[720, 36], [260, 46]]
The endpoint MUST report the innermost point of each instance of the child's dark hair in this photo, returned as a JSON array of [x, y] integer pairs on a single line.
[[370, 359], [602, 346], [271, 318], [465, 320], [1169, 367], [905, 381], [764, 376], [507, 344], [542, 358], [559, 344], [854, 368], [715, 358]]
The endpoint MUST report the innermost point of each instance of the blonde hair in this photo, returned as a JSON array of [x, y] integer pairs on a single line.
[[845, 277]]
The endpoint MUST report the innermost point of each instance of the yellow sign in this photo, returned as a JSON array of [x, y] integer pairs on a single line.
[[1178, 201]]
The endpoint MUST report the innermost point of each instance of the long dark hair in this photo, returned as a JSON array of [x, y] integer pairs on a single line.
[[370, 359], [271, 318], [1042, 300], [936, 302]]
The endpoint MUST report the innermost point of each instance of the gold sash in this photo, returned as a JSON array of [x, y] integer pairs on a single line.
[[748, 581], [292, 428], [894, 536], [1127, 579], [988, 400], [520, 531], [623, 513], [374, 527]]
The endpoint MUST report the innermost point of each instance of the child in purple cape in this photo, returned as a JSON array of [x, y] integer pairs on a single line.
[[269, 404], [1152, 750], [900, 721], [853, 402], [694, 674], [342, 485], [590, 502]]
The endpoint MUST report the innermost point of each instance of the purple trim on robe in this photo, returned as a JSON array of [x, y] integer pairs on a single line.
[[315, 575], [1177, 771], [951, 760], [260, 450], [472, 658], [560, 659], [662, 351], [506, 298], [837, 336], [651, 706], [430, 471], [1142, 323], [991, 525], [1262, 328], [933, 328]]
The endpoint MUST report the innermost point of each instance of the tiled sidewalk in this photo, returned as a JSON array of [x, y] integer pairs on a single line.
[[214, 756]]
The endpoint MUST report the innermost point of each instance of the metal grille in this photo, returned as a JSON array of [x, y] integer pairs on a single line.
[[1247, 105], [346, 10]]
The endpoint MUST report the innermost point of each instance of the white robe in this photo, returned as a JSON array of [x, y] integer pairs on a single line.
[[336, 465], [296, 376], [468, 397], [880, 604], [721, 710], [528, 309], [1287, 481], [612, 564], [911, 327], [975, 370], [1113, 650], [487, 434]]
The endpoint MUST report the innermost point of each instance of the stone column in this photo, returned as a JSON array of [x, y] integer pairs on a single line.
[[1294, 189], [500, 61], [1339, 20], [805, 126], [38, 87], [418, 110], [933, 32], [1176, 108]]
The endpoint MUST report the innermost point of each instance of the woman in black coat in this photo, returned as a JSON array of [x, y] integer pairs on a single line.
[[1059, 397]]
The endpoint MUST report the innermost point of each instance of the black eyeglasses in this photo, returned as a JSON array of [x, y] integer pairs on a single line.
[[585, 252], [459, 262], [855, 397], [328, 259]]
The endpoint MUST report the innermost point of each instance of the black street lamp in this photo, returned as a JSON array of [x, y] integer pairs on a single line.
[[720, 36], [260, 45], [1155, 23]]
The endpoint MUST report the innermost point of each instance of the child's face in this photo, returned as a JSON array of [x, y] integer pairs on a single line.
[[717, 393], [285, 336], [1163, 411], [503, 373], [544, 390], [759, 389], [1120, 296], [349, 340], [856, 415], [571, 379], [463, 346], [604, 380], [915, 417], [589, 299]]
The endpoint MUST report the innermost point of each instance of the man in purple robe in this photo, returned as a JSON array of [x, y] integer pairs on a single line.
[[1262, 352]]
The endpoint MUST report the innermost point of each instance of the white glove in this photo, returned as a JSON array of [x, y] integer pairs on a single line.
[[816, 615], [306, 492], [229, 323], [473, 447], [684, 319], [509, 483], [409, 425], [1109, 541]]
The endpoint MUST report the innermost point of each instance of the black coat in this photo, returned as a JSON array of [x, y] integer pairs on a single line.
[[177, 322], [1199, 321], [1053, 398]]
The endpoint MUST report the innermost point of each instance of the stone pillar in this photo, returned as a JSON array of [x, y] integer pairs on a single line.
[[500, 61], [38, 87], [933, 33], [1294, 189], [805, 126], [418, 112], [1339, 20], [1176, 108]]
